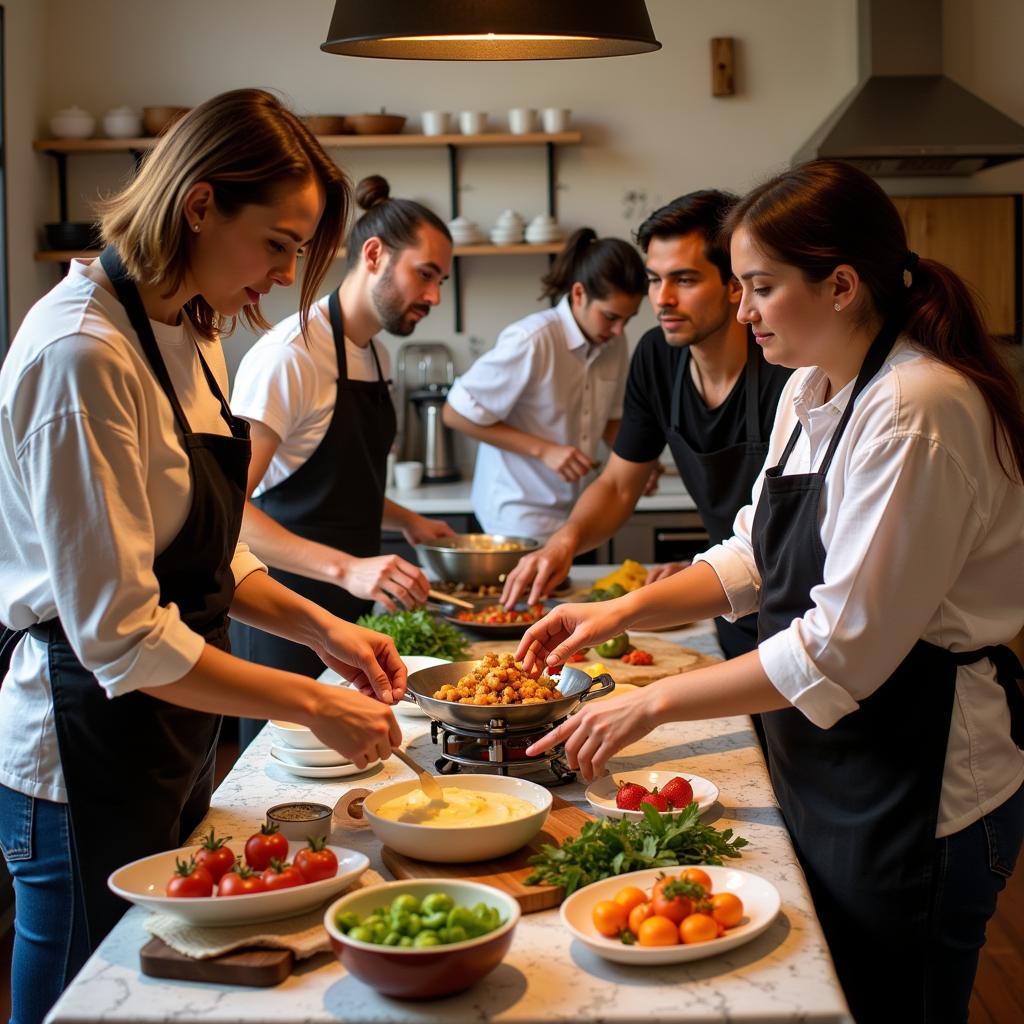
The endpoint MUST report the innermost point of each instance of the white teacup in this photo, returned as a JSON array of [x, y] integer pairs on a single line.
[[408, 475], [472, 122], [435, 122], [522, 120], [555, 119]]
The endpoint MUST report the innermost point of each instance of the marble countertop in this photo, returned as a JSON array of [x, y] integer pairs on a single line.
[[454, 498], [786, 974]]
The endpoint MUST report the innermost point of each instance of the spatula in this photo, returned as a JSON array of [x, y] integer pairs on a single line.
[[427, 781]]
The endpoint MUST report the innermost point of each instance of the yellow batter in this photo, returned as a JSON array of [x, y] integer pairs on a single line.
[[460, 807]]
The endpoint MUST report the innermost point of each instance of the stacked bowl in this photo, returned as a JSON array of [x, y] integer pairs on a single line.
[[299, 751], [543, 229], [465, 231], [508, 230]]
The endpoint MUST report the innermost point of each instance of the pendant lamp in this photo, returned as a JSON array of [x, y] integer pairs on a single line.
[[489, 29]]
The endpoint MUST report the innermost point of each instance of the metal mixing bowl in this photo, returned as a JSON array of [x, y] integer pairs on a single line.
[[470, 558]]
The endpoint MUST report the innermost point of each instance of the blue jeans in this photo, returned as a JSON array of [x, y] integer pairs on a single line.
[[971, 869], [50, 943]]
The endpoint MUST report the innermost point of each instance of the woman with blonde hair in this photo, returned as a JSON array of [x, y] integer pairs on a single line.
[[122, 481], [883, 550]]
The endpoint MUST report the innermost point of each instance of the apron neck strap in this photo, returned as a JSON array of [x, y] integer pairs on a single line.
[[129, 297], [338, 331]]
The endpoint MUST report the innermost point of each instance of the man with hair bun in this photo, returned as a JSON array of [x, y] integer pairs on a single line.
[[323, 421], [542, 399]]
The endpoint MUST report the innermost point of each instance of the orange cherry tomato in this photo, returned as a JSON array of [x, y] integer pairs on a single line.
[[698, 928], [609, 917], [638, 915], [698, 876], [727, 909], [658, 931], [630, 897]]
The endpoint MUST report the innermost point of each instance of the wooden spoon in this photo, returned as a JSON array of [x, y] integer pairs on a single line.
[[427, 781]]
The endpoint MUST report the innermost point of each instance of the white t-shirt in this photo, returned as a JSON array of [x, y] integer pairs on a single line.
[[289, 383], [924, 534], [542, 377], [94, 484]]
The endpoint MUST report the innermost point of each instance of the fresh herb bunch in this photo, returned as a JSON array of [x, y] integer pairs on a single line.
[[609, 847], [419, 633]]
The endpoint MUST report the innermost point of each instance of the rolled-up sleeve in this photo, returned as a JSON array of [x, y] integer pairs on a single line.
[[488, 391]]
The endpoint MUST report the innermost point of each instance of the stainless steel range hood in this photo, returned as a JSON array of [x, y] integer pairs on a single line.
[[906, 118]]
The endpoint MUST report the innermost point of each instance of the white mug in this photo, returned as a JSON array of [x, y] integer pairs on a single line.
[[472, 122], [522, 120], [435, 122], [408, 475], [555, 119]]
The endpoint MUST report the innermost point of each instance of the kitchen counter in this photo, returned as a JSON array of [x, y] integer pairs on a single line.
[[786, 974], [454, 498]]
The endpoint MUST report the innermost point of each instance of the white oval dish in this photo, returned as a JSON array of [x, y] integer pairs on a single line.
[[325, 758], [601, 792], [460, 844], [143, 882], [334, 771], [761, 903]]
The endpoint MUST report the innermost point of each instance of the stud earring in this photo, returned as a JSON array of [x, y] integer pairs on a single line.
[[835, 305], [195, 227]]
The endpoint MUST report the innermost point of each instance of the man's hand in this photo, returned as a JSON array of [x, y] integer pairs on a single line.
[[541, 571], [420, 529], [568, 462], [386, 578], [659, 572], [651, 486]]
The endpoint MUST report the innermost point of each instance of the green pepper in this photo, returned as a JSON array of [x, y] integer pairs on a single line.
[[437, 901], [462, 917], [380, 930], [426, 939], [436, 920], [346, 920], [412, 925], [361, 934], [614, 648], [404, 904], [487, 918], [392, 939], [453, 933], [405, 942]]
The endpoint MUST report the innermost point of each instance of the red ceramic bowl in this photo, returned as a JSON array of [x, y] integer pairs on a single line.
[[423, 973]]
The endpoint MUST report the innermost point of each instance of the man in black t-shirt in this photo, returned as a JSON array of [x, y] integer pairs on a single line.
[[698, 383]]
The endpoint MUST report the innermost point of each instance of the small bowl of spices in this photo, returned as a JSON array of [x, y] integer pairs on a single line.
[[301, 820]]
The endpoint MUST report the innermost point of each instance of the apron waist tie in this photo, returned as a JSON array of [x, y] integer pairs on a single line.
[[1009, 673]]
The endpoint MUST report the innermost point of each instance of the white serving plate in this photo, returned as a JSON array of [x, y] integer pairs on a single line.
[[143, 882], [333, 771], [322, 758], [462, 843], [601, 792], [761, 903]]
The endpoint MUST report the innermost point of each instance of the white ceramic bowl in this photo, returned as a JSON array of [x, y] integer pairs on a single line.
[[601, 792], [303, 758], [72, 123], [144, 882], [761, 902], [460, 844], [289, 734], [122, 123]]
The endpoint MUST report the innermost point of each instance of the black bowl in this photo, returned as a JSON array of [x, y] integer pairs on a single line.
[[72, 235]]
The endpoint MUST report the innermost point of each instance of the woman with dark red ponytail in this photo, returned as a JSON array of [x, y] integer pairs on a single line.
[[883, 550]]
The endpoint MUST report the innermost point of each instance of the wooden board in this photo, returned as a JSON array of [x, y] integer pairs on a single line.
[[260, 968], [669, 659], [506, 873]]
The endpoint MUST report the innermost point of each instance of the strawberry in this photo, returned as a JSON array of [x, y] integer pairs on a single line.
[[630, 796], [678, 792], [657, 800]]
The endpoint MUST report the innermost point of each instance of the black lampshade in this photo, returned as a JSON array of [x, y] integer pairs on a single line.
[[489, 29]]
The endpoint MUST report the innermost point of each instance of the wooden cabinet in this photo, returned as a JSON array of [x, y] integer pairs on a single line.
[[980, 238]]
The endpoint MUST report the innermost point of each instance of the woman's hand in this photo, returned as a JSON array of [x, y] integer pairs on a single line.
[[540, 571], [568, 462], [660, 572], [420, 529], [386, 578], [599, 731], [566, 629], [368, 660], [361, 729]]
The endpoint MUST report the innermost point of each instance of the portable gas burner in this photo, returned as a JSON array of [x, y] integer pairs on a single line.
[[499, 747]]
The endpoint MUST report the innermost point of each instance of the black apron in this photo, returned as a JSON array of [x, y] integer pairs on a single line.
[[139, 771], [720, 482], [336, 497], [861, 799]]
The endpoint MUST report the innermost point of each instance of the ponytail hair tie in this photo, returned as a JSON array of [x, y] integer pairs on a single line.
[[909, 266]]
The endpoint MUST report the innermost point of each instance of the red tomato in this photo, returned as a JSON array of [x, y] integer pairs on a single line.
[[263, 845], [281, 875], [190, 879], [215, 856], [239, 882], [315, 861], [671, 899]]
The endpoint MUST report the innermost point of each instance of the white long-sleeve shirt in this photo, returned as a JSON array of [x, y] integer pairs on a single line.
[[94, 483], [542, 377], [924, 535]]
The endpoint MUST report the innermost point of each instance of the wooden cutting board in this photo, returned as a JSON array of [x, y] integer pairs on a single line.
[[669, 659], [506, 873], [259, 968]]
